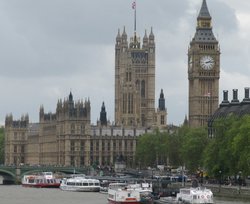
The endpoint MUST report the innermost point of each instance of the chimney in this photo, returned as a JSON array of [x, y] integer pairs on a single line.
[[246, 99], [225, 98], [235, 97]]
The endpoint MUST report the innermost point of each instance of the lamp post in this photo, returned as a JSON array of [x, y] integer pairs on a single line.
[[220, 180], [240, 181]]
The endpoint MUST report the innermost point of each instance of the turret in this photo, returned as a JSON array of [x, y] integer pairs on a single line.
[[41, 112], [161, 101], [151, 38], [103, 115], [124, 37], [145, 40]]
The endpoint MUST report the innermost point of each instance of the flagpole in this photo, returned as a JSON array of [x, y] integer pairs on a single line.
[[134, 7], [135, 18]]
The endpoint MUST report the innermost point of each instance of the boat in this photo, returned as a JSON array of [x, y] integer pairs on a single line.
[[80, 183], [122, 193], [192, 195], [41, 180]]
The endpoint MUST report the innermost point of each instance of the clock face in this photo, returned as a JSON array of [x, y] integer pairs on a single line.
[[207, 62]]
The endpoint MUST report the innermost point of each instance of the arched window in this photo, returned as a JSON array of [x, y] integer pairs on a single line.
[[143, 89]]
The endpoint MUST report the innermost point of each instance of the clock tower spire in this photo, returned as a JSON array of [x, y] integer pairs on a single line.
[[203, 70]]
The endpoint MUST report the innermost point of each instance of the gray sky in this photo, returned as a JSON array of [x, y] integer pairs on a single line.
[[50, 47]]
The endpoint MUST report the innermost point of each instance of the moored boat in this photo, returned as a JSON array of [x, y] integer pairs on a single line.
[[122, 193], [80, 183], [199, 195], [41, 180]]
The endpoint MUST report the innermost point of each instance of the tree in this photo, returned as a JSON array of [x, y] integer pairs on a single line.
[[152, 149], [218, 157], [229, 151], [194, 143], [241, 146]]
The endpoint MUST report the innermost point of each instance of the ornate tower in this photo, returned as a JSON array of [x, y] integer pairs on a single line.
[[203, 71], [103, 115], [135, 80], [161, 112]]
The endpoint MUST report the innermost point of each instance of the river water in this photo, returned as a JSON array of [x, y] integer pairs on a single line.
[[15, 194]]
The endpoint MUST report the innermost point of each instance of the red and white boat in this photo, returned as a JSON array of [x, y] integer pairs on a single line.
[[42, 180], [122, 193]]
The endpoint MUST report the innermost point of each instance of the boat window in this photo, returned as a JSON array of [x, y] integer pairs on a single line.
[[31, 181], [91, 184], [194, 196], [97, 184], [78, 184], [85, 184], [71, 183]]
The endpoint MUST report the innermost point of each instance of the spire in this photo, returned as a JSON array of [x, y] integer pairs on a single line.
[[124, 34], [204, 31], [161, 94], [118, 37], [103, 115], [145, 38], [161, 101], [70, 96], [204, 13], [151, 35]]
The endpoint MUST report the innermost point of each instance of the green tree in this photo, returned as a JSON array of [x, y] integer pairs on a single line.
[[152, 149], [217, 157], [194, 143], [229, 151], [241, 146]]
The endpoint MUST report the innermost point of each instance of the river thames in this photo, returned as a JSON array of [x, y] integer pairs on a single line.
[[15, 194]]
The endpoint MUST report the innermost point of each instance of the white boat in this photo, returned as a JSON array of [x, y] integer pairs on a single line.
[[41, 180], [199, 195], [122, 193], [80, 183]]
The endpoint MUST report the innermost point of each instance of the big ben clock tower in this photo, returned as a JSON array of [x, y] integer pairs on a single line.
[[203, 71]]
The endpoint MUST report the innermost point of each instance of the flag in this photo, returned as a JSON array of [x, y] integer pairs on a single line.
[[133, 5]]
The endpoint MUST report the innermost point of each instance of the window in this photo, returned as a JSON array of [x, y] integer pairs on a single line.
[[22, 149], [143, 89], [15, 135], [72, 128], [82, 129], [82, 146], [162, 120], [130, 103], [72, 146]]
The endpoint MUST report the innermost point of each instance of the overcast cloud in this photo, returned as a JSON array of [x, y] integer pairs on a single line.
[[50, 47]]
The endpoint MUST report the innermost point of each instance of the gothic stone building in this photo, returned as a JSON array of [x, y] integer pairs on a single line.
[[203, 71], [67, 137], [135, 80]]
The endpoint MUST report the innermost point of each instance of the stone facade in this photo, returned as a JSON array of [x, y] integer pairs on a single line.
[[135, 80], [203, 71], [67, 138]]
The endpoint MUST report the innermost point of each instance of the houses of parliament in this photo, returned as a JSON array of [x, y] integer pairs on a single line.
[[67, 137]]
